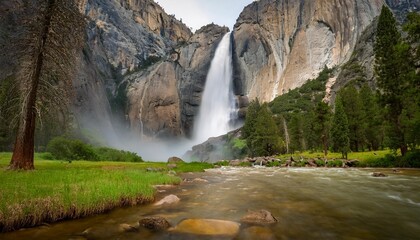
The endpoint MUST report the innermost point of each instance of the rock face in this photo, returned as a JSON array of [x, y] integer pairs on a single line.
[[164, 99], [279, 44]]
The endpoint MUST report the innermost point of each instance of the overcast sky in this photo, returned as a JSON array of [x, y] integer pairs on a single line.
[[197, 13]]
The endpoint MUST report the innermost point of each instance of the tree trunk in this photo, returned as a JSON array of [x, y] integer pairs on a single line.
[[23, 152], [403, 149]]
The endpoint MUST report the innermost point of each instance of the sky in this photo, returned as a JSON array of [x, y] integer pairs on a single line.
[[197, 13]]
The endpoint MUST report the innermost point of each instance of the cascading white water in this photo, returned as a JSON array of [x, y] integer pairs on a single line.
[[218, 102]]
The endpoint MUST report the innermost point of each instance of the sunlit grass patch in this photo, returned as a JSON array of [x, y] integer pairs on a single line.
[[58, 190]]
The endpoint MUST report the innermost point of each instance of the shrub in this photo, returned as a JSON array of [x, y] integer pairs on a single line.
[[411, 159], [388, 161], [222, 163], [70, 149], [320, 163], [334, 163], [114, 155], [274, 164]]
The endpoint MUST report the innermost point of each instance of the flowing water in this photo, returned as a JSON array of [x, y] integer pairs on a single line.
[[308, 204], [218, 102]]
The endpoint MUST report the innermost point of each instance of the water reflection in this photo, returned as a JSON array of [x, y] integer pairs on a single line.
[[309, 204]]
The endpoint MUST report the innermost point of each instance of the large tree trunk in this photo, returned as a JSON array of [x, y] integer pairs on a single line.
[[23, 152]]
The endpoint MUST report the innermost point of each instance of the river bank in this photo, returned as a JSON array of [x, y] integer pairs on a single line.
[[308, 203]]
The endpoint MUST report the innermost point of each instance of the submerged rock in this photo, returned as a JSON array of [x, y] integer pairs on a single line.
[[170, 199], [257, 232], [259, 217], [124, 227], [209, 227], [155, 223], [378, 174]]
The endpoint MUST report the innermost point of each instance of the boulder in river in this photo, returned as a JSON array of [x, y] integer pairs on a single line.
[[170, 199], [259, 217], [378, 174], [208, 227], [155, 223]]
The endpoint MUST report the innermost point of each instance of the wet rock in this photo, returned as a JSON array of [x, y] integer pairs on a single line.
[[170, 199], [312, 163], [257, 232], [378, 174], [209, 227], [259, 217], [396, 171], [200, 180], [350, 163], [125, 227], [175, 160], [155, 223]]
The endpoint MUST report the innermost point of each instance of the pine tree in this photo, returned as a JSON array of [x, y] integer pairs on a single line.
[[395, 72], [46, 46], [322, 125], [353, 107], [340, 130], [371, 119], [266, 140]]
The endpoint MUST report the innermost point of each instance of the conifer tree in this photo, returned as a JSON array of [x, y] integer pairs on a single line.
[[340, 130], [395, 72], [266, 140], [46, 45]]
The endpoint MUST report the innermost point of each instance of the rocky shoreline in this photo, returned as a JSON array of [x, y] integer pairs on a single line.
[[289, 162]]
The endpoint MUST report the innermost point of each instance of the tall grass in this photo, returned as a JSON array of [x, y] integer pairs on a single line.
[[59, 190]]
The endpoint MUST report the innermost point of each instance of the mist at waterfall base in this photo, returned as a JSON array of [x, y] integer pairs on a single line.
[[215, 117]]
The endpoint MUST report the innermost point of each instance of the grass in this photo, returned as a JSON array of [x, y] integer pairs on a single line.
[[59, 190]]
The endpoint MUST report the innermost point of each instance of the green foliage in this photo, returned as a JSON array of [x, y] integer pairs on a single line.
[[71, 149], [62, 148], [320, 163], [410, 160], [222, 163], [388, 161], [302, 99], [352, 105], [334, 163], [398, 81], [114, 155], [265, 140], [340, 130]]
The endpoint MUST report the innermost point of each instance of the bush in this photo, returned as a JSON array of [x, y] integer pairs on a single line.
[[388, 161], [114, 155], [334, 163], [222, 163], [320, 163], [410, 160], [274, 164], [71, 149]]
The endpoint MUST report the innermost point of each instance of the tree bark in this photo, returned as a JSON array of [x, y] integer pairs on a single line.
[[23, 152]]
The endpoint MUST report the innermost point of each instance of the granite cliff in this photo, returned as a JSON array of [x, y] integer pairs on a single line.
[[144, 71], [281, 44]]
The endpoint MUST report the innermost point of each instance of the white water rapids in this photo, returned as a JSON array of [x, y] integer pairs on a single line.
[[218, 102]]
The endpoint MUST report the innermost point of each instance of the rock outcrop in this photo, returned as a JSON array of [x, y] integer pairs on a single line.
[[279, 45]]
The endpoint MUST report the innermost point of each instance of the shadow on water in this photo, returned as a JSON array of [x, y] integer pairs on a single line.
[[308, 204]]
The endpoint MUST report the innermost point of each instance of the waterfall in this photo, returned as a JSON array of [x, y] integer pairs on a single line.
[[218, 102]]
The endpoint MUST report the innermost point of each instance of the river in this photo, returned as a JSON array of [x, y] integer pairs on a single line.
[[309, 203]]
